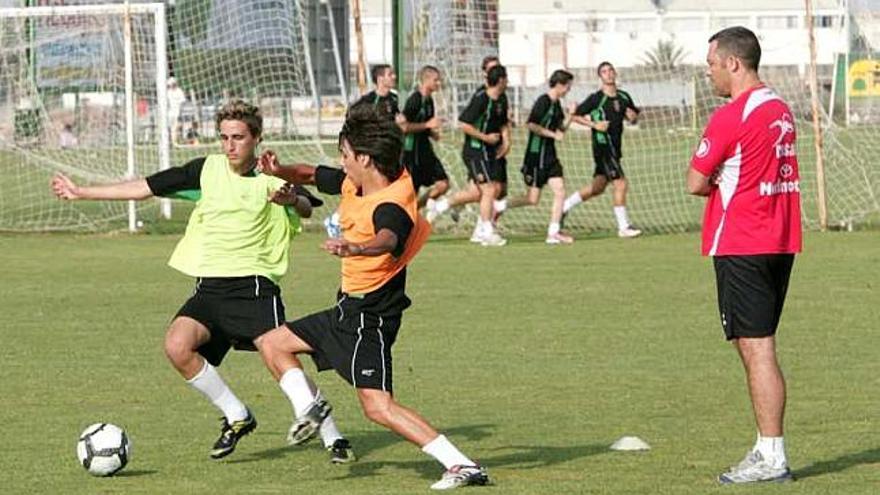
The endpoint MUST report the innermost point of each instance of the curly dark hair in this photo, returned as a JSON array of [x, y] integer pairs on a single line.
[[371, 133], [244, 112]]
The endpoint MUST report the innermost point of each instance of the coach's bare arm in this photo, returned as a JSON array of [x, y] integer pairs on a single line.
[[384, 242], [697, 183], [65, 188]]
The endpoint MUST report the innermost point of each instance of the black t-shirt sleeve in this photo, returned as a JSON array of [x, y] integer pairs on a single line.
[[303, 191], [587, 105], [471, 114], [395, 109], [394, 218], [505, 109], [539, 109], [329, 180], [177, 179], [629, 103], [412, 107]]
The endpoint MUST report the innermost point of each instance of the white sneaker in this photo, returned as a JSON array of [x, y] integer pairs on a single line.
[[754, 468], [492, 240], [431, 212], [476, 237], [458, 476], [629, 232], [559, 238]]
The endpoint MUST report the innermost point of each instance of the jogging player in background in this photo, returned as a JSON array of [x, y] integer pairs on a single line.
[[604, 112], [420, 125]]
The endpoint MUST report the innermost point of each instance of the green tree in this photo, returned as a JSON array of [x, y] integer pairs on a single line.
[[665, 55]]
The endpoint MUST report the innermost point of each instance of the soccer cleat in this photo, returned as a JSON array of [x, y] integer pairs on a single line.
[[306, 426], [455, 214], [458, 476], [431, 212], [341, 452], [230, 434], [629, 232], [753, 469], [559, 238], [492, 239]]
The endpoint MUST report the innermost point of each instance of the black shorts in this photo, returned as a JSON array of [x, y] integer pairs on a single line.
[[236, 310], [607, 164], [537, 172], [424, 167], [483, 168], [751, 293], [357, 344], [502, 169]]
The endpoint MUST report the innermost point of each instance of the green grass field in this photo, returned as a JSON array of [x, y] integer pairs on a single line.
[[532, 359]]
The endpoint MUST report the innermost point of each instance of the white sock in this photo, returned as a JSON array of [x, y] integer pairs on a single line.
[[572, 201], [296, 387], [447, 454], [553, 229], [329, 432], [622, 218], [772, 449], [500, 205], [211, 385], [441, 205]]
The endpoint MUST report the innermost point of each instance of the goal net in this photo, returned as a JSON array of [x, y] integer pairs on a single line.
[[660, 62], [86, 90]]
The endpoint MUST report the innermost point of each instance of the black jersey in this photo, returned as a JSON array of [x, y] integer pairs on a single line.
[[547, 114], [487, 115], [600, 106], [387, 104], [418, 109]]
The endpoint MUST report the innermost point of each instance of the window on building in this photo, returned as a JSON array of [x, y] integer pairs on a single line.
[[682, 24], [826, 21], [631, 25], [726, 22], [778, 22]]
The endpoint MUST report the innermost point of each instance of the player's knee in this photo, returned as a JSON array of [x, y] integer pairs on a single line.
[[178, 347]]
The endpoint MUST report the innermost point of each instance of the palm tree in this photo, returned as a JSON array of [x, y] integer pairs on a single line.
[[664, 56]]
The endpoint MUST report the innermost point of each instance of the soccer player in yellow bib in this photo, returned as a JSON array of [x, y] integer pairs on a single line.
[[236, 246], [381, 233]]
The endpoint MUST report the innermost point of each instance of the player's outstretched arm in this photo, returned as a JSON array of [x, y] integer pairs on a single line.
[[384, 242], [295, 174], [288, 195], [135, 189]]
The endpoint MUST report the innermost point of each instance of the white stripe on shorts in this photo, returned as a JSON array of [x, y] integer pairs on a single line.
[[355, 352]]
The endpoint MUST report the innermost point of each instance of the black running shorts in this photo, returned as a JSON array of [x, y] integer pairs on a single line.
[[355, 343], [236, 310], [751, 293]]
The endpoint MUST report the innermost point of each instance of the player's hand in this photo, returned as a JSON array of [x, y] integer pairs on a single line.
[[632, 115], [268, 163], [285, 195], [340, 247], [434, 123], [502, 150], [492, 139], [600, 125], [64, 188], [558, 135], [435, 134]]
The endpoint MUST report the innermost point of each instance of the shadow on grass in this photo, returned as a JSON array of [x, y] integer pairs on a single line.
[[366, 442], [514, 456], [135, 473], [870, 456]]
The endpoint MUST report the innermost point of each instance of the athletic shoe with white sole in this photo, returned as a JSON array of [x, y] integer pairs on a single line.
[[754, 469], [492, 240], [305, 427], [458, 476], [559, 238], [629, 232]]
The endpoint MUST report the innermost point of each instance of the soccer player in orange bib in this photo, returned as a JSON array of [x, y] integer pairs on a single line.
[[381, 233]]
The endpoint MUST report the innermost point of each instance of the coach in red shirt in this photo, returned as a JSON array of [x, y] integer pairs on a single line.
[[746, 164]]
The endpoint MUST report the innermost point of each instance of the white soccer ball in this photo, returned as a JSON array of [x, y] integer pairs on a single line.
[[103, 449]]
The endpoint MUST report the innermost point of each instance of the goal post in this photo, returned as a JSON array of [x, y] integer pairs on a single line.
[[73, 108]]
